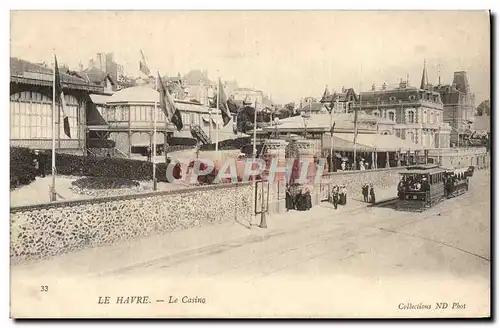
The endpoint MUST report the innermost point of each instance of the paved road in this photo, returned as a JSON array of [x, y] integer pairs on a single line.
[[445, 247], [372, 262]]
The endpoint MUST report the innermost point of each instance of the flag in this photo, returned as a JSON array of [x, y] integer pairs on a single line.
[[60, 98], [167, 104], [332, 129], [143, 66], [222, 102]]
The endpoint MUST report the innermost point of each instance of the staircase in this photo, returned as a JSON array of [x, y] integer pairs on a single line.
[[200, 135]]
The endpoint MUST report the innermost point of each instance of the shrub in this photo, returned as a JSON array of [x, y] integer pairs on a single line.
[[237, 143], [22, 168], [104, 183], [23, 171]]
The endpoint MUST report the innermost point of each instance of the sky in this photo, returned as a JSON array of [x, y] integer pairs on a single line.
[[288, 54]]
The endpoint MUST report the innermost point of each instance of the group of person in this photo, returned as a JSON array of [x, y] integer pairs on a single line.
[[368, 193], [413, 184], [297, 198], [338, 195]]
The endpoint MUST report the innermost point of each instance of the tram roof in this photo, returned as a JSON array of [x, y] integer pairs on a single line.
[[419, 170]]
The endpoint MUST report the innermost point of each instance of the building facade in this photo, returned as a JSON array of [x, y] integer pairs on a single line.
[[416, 112], [459, 106], [129, 117], [31, 87]]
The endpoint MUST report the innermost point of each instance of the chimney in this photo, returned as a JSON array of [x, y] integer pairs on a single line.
[[384, 86], [343, 89], [373, 87]]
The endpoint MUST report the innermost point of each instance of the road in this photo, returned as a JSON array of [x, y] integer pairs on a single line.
[[371, 262]]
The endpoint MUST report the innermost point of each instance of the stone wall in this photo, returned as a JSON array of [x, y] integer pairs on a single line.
[[45, 230], [354, 180]]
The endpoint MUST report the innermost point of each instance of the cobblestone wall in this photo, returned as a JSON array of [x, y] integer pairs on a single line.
[[45, 230]]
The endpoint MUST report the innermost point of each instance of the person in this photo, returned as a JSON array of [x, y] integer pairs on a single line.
[[307, 200], [289, 199], [343, 166], [335, 196], [362, 165], [372, 194], [364, 191], [425, 184], [148, 153], [41, 161], [343, 193], [401, 189], [300, 204]]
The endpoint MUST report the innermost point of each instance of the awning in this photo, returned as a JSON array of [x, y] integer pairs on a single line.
[[205, 118], [370, 142]]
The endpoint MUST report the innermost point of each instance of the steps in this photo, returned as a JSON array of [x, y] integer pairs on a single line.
[[200, 135]]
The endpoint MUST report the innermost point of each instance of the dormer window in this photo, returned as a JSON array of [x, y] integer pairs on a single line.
[[412, 97], [392, 98]]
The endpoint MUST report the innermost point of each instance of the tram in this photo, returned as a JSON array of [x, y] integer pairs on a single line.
[[420, 187], [456, 182]]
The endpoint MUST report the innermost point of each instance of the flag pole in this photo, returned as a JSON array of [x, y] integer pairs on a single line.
[[53, 197], [217, 121], [154, 135], [356, 119]]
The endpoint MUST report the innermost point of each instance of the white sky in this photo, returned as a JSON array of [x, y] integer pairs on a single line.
[[289, 54]]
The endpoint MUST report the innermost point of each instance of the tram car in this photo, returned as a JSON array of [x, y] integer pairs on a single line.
[[456, 182], [420, 187]]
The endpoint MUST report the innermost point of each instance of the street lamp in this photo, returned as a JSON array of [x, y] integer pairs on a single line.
[[305, 117]]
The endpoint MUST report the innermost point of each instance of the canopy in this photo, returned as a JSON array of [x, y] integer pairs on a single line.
[[370, 142]]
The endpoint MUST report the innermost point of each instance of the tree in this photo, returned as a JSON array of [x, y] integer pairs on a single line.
[[483, 108]]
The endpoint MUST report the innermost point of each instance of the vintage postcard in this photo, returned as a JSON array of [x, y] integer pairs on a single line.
[[250, 164]]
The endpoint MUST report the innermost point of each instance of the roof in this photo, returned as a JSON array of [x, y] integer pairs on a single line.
[[99, 99], [322, 121], [423, 171], [147, 95], [95, 75], [392, 96], [195, 76], [312, 106], [22, 71]]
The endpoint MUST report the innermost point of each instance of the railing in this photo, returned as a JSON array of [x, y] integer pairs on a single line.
[[200, 135]]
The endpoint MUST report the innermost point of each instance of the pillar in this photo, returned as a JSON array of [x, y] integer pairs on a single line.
[[387, 164], [129, 144], [373, 160], [277, 188], [398, 153]]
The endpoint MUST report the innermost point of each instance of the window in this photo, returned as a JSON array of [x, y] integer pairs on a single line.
[[392, 116], [411, 117], [193, 118]]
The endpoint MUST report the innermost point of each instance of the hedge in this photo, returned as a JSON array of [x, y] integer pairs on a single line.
[[23, 171], [22, 167], [237, 143]]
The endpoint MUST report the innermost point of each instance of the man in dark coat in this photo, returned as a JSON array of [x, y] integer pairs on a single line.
[[372, 194], [42, 161], [364, 191], [335, 196], [308, 200]]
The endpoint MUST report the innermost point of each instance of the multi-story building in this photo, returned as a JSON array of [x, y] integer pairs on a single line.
[[340, 101], [459, 106], [416, 112], [252, 96]]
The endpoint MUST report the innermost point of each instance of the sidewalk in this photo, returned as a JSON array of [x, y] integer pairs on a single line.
[[122, 255]]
